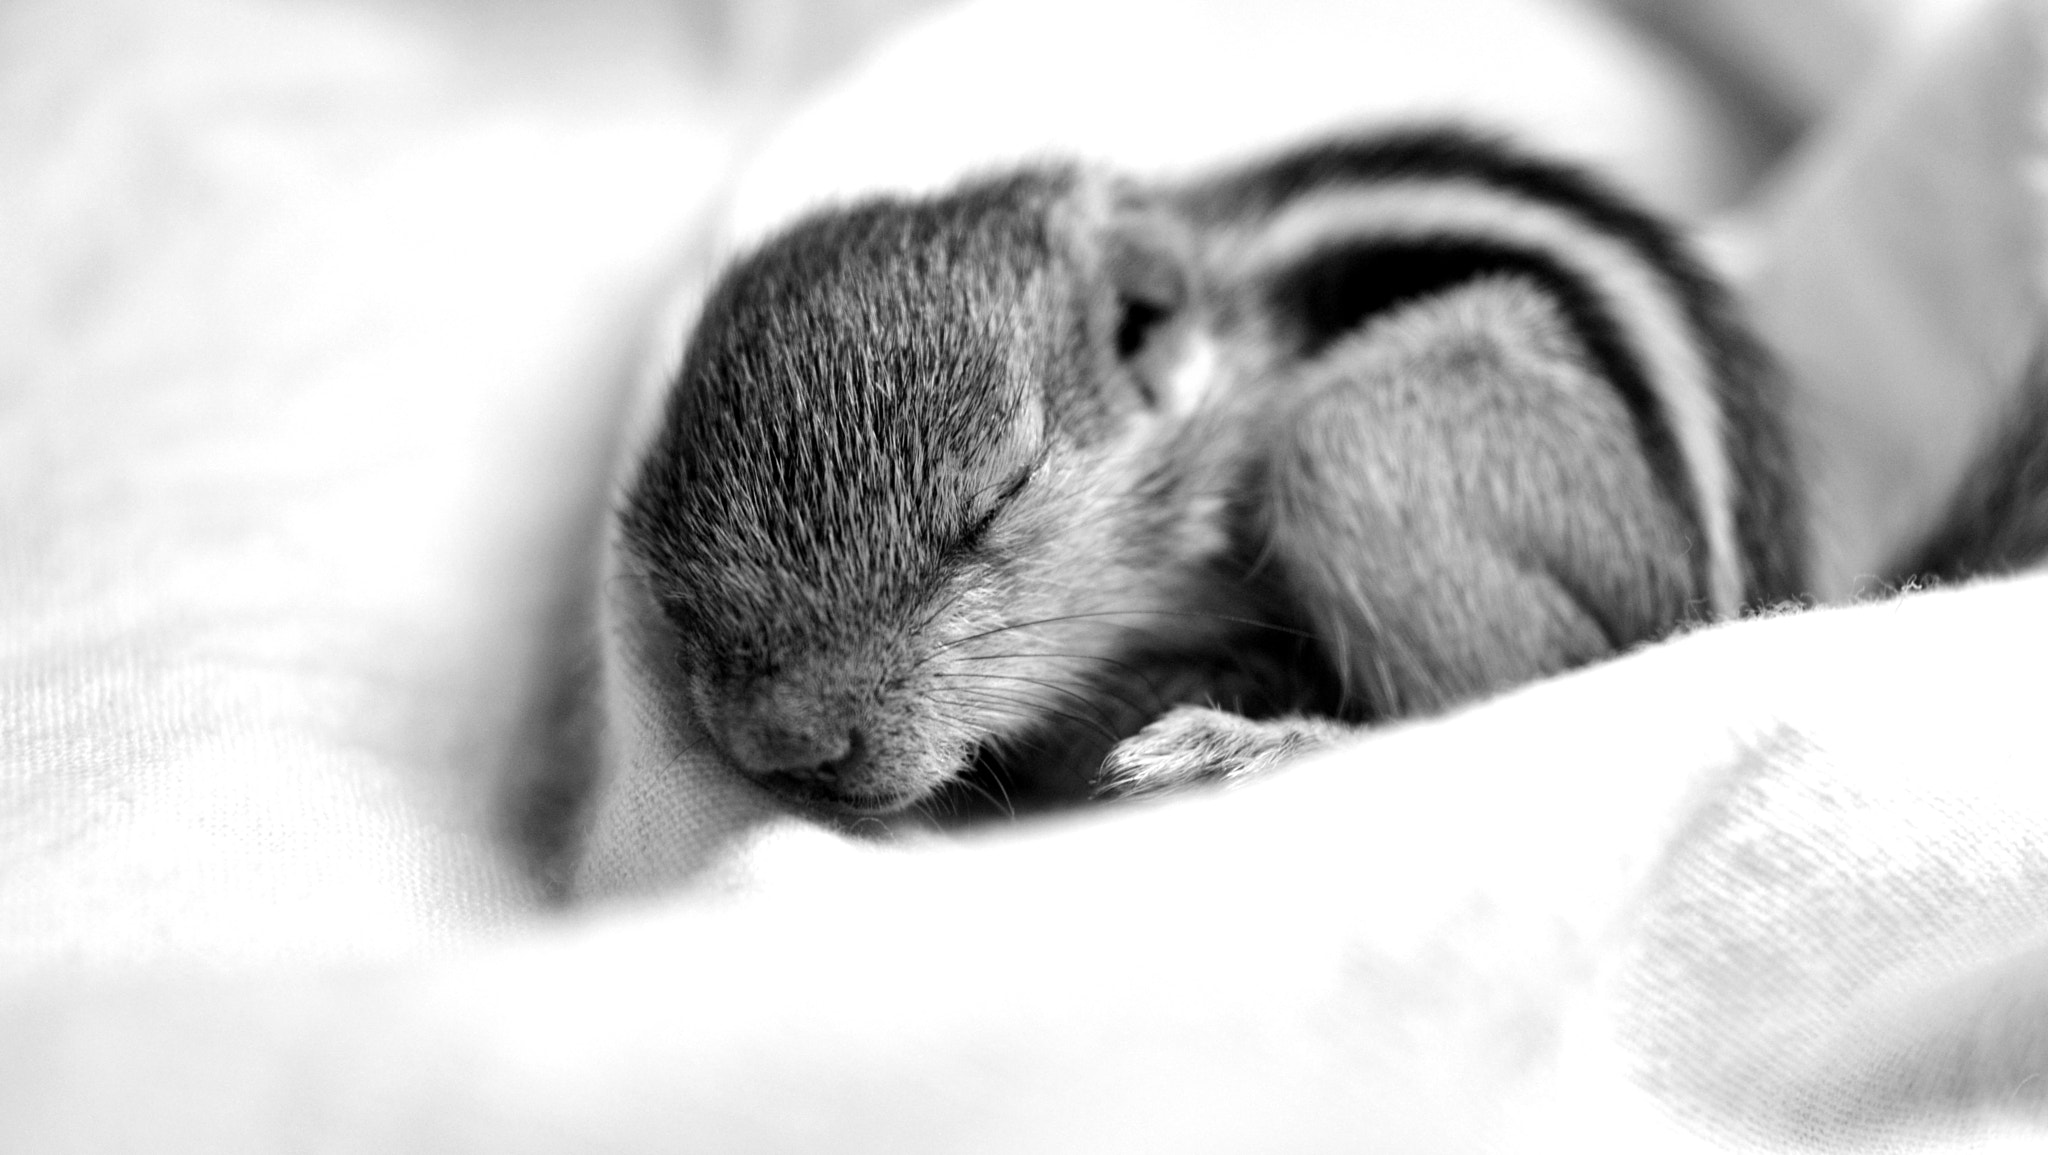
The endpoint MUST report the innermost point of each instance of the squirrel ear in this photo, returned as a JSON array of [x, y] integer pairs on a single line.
[[1147, 269], [1148, 261]]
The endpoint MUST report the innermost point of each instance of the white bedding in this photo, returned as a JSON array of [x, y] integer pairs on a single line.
[[317, 324]]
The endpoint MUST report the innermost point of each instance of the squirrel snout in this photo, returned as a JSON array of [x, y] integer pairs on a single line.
[[812, 749], [813, 740]]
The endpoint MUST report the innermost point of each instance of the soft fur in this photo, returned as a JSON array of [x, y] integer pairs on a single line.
[[1364, 429]]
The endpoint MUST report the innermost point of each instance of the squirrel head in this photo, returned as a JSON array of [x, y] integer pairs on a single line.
[[917, 457]]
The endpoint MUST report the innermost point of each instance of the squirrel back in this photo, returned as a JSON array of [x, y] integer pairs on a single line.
[[1523, 427]]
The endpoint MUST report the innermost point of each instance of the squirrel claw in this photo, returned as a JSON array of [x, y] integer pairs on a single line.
[[1191, 746]]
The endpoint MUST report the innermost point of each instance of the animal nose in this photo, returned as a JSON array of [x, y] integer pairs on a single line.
[[775, 748]]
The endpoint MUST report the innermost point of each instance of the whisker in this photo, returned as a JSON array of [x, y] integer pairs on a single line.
[[1038, 623], [1095, 724], [1055, 687], [1038, 746], [1040, 713], [1097, 615], [1003, 707], [1136, 672], [1001, 803]]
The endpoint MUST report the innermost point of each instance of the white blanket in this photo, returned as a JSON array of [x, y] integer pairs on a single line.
[[315, 324]]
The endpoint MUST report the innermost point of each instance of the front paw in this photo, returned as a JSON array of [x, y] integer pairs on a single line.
[[1194, 745]]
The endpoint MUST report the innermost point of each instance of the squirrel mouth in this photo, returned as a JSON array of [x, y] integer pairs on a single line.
[[829, 799]]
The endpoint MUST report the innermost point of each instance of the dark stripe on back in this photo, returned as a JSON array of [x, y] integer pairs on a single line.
[[1340, 288], [1769, 517], [1444, 154]]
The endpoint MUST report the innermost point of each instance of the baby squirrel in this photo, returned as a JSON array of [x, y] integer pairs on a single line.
[[1018, 471]]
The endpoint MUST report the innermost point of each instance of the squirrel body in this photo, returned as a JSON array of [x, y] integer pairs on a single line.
[[1361, 430]]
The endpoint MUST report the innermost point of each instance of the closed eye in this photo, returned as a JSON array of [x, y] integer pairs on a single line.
[[976, 533]]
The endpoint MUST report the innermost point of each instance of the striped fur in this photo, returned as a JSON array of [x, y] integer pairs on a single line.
[[1405, 214], [1275, 400]]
